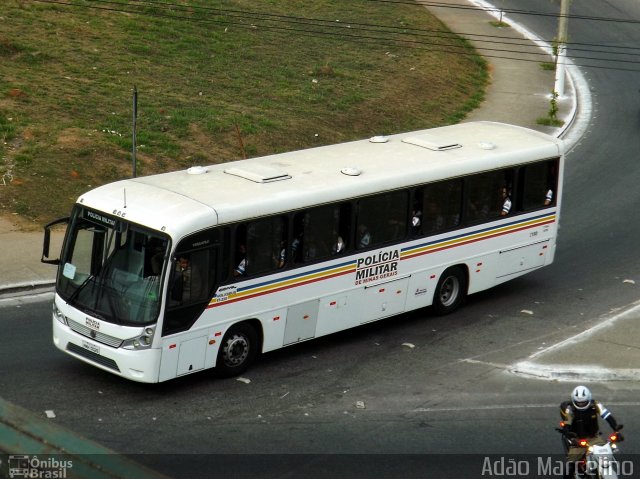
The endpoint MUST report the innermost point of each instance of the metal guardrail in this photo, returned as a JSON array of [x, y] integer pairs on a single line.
[[34, 447]]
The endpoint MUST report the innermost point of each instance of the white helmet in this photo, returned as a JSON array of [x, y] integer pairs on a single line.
[[581, 397]]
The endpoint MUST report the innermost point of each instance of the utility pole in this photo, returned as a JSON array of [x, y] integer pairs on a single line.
[[133, 139], [563, 21]]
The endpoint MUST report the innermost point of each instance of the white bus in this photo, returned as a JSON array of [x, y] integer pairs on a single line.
[[169, 274]]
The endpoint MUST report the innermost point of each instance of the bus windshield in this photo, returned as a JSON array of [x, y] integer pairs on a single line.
[[112, 269]]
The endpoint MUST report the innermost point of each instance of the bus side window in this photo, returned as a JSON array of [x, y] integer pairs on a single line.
[[488, 195], [192, 280], [266, 248], [442, 205], [320, 232], [382, 218], [539, 184]]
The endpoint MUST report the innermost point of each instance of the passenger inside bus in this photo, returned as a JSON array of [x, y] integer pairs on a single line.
[[338, 243], [506, 201], [154, 257], [416, 220], [187, 283], [241, 269], [364, 237], [280, 257]]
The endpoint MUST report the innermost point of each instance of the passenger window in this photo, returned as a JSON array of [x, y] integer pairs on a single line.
[[437, 207], [320, 233], [539, 184], [260, 246], [489, 195], [381, 219], [191, 280]]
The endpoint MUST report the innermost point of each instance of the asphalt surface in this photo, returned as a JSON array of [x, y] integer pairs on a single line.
[[519, 94]]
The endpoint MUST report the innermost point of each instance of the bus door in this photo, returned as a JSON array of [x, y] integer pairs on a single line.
[[192, 279]]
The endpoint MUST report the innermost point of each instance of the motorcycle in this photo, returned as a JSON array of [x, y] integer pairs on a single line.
[[597, 461]]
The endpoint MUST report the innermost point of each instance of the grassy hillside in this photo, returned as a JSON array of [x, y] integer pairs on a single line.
[[283, 74]]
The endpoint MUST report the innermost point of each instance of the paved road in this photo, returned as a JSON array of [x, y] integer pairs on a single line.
[[447, 394]]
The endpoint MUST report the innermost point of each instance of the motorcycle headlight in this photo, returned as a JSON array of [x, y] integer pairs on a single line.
[[140, 342]]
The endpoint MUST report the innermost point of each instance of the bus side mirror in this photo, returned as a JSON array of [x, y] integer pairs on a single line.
[[46, 245]]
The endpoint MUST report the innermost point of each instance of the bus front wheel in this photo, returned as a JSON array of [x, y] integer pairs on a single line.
[[238, 350], [450, 290]]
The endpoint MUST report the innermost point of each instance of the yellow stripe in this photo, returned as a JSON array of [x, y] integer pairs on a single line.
[[483, 234], [291, 282]]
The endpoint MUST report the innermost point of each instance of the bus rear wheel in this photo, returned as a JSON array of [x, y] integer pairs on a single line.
[[450, 291], [238, 350]]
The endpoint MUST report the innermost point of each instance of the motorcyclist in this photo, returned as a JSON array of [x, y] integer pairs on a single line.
[[580, 420]]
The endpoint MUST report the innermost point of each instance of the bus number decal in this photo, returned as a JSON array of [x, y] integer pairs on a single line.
[[224, 293]]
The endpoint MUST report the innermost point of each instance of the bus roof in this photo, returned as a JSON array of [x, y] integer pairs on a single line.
[[188, 200]]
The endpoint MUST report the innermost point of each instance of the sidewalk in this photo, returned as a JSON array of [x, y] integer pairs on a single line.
[[20, 251], [520, 90], [518, 94]]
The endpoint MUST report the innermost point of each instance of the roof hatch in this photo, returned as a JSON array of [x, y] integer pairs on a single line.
[[258, 173], [431, 142]]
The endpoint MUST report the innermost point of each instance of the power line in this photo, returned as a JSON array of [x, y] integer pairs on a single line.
[[508, 10], [372, 33], [377, 27]]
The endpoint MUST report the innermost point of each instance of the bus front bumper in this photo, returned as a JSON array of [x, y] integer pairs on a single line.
[[141, 365]]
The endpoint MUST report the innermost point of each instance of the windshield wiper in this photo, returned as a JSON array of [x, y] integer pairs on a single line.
[[75, 294]]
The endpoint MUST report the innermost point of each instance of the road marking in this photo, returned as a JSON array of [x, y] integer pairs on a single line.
[[588, 332], [561, 372], [504, 407]]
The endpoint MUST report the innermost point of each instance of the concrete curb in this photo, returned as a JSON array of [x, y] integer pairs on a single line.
[[579, 346], [563, 373], [27, 288]]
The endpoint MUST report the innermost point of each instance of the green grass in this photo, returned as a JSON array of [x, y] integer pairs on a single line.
[[286, 82]]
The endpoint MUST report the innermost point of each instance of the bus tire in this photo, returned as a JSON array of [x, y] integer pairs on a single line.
[[238, 350], [450, 291]]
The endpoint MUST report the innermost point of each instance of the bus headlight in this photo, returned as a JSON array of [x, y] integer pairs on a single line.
[[140, 342], [58, 315]]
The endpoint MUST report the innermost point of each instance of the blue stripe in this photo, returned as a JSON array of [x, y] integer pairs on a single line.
[[402, 250], [295, 276], [475, 232]]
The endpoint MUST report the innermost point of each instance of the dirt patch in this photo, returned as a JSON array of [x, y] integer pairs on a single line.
[[74, 138], [16, 223]]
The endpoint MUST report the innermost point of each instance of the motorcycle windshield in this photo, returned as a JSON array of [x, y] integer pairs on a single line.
[[112, 269]]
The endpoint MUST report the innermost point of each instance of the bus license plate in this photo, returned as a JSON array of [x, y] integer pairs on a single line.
[[91, 347]]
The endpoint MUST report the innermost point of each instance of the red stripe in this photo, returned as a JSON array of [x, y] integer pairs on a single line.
[[475, 240]]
